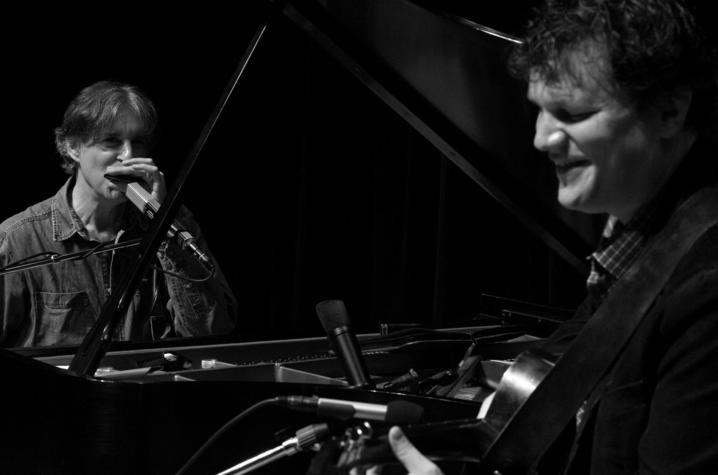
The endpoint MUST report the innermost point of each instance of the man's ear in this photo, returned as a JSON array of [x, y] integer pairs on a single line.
[[673, 107], [73, 150]]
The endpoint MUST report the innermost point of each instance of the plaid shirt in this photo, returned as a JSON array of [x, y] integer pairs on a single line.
[[618, 248]]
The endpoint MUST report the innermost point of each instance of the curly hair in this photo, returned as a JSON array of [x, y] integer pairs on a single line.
[[651, 47], [94, 110]]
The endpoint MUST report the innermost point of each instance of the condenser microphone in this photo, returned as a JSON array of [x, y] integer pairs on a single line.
[[335, 320], [149, 207], [395, 412]]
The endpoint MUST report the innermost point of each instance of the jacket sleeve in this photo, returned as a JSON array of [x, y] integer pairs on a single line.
[[13, 301], [197, 308]]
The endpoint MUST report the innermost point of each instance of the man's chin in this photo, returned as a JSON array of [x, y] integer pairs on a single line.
[[574, 200], [116, 196]]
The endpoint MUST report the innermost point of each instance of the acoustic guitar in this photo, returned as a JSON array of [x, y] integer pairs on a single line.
[[455, 442]]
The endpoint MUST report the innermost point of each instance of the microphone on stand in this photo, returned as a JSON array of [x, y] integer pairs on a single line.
[[149, 206], [335, 320], [303, 439], [395, 412]]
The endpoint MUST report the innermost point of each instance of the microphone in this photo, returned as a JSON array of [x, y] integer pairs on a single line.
[[303, 439], [149, 206], [395, 412], [335, 320]]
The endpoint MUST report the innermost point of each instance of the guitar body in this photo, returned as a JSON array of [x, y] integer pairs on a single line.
[[459, 441], [516, 385]]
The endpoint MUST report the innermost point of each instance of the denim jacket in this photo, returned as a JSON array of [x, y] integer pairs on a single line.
[[57, 304]]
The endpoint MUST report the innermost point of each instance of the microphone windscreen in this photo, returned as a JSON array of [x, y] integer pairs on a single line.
[[333, 314], [403, 412]]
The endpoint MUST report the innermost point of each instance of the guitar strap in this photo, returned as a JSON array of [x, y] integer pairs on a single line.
[[554, 403]]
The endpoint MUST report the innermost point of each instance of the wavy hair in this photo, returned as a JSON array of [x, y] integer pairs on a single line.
[[649, 48], [95, 109]]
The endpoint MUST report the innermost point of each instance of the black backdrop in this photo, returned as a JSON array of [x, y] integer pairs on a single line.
[[309, 188]]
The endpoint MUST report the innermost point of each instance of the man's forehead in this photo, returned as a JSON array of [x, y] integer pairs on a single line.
[[126, 123], [541, 90]]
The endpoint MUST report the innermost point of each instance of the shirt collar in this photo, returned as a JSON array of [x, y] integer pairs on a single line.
[[621, 243], [66, 223]]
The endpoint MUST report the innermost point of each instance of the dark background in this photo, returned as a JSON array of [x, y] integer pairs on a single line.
[[310, 187]]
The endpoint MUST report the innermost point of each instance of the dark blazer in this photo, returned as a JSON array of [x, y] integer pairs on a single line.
[[657, 410]]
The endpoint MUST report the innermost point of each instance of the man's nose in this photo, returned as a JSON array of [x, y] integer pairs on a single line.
[[125, 150], [549, 136]]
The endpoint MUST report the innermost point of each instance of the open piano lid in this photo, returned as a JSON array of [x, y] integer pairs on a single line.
[[446, 75]]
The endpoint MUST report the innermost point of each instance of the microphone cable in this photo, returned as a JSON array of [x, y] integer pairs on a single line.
[[222, 430]]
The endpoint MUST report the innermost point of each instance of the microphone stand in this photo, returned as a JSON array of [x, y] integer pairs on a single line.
[[98, 339], [303, 439], [72, 256]]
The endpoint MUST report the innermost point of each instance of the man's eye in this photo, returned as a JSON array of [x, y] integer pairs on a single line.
[[110, 143], [572, 117]]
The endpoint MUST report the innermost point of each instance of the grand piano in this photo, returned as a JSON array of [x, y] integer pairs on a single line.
[[375, 151]]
